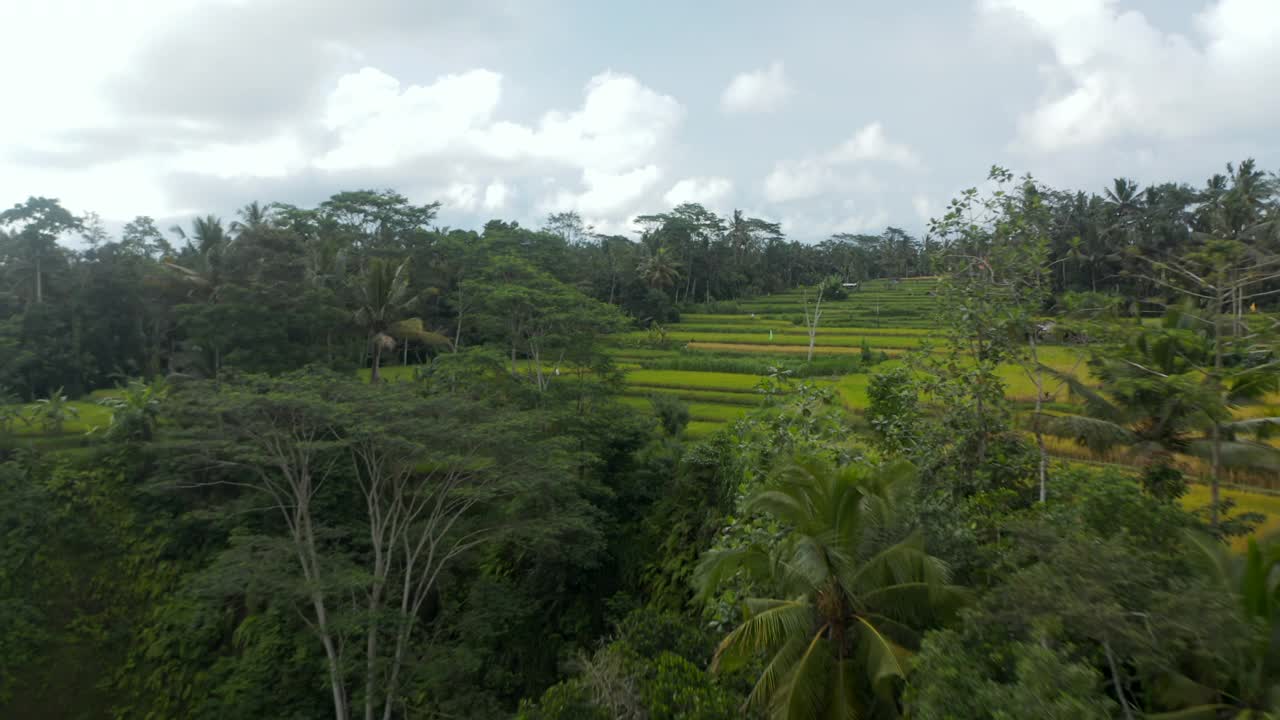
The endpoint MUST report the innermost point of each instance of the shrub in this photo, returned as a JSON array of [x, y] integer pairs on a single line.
[[672, 412], [833, 288], [893, 408]]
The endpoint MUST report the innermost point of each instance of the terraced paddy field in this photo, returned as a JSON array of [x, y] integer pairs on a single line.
[[883, 318], [725, 350]]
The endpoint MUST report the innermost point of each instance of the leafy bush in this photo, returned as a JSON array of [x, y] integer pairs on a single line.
[[893, 408], [655, 670], [833, 288], [672, 412]]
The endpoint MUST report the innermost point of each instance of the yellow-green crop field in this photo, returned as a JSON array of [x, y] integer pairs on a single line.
[[888, 318]]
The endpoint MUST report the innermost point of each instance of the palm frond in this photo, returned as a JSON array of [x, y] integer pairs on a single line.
[[916, 602], [883, 660], [1261, 427], [842, 703], [811, 560], [1198, 712], [787, 503], [1255, 589], [903, 562], [1095, 404], [1252, 385], [769, 624], [805, 689], [717, 566], [1238, 454], [1096, 434], [1213, 558], [776, 671], [412, 329]]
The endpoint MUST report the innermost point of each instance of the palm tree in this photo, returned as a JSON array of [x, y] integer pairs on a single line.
[[254, 217], [1250, 689], [206, 247], [382, 296], [1156, 400], [658, 269], [207, 237], [1123, 195], [836, 631]]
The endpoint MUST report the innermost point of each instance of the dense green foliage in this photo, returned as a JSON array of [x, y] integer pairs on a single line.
[[355, 465]]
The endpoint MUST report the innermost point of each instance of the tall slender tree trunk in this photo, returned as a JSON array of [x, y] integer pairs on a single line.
[[457, 333], [308, 556], [39, 281], [371, 627], [811, 321], [77, 331], [1038, 378], [374, 375], [1115, 680], [1216, 451]]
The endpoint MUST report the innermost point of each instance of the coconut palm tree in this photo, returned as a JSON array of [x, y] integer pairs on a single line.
[[1250, 689], [845, 607], [382, 298], [202, 258], [659, 269], [1156, 400], [254, 217]]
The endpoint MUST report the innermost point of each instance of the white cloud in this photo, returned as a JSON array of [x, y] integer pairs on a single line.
[[704, 190], [46, 75], [842, 168], [797, 180], [273, 157], [811, 227], [1115, 75], [611, 140], [56, 37], [922, 206], [495, 195], [871, 143], [379, 124], [757, 91], [461, 196], [621, 123], [441, 134], [607, 194]]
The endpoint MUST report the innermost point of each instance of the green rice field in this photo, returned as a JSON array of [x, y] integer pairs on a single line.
[[889, 318]]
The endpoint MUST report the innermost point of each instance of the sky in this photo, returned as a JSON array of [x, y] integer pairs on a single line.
[[841, 116]]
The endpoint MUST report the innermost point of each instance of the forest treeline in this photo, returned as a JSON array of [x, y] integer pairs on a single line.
[[280, 286], [264, 531]]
